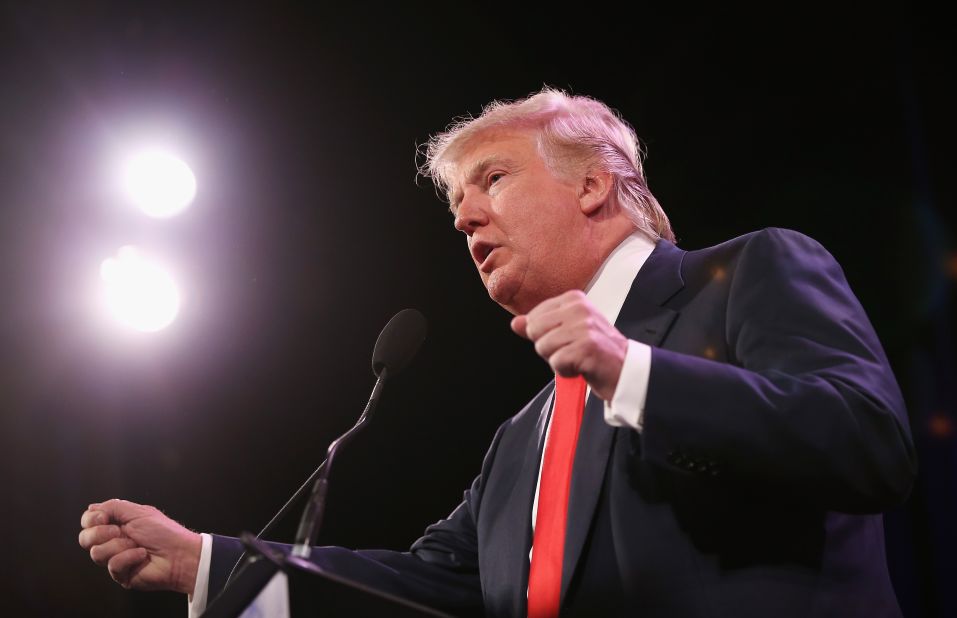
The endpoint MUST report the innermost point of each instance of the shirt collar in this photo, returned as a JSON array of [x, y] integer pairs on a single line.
[[609, 287]]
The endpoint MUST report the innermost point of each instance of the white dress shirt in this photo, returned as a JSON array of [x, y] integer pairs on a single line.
[[607, 292]]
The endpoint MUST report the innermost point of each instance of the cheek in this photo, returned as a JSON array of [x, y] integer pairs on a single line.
[[545, 244]]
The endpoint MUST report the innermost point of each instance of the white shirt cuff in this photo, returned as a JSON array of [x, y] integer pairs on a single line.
[[628, 403], [197, 600]]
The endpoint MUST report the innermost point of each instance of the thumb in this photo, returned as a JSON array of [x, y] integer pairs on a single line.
[[122, 511], [519, 325]]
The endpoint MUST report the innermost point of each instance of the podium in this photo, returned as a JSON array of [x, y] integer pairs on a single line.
[[313, 591]]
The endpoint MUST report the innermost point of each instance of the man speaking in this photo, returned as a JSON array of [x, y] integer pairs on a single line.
[[721, 437]]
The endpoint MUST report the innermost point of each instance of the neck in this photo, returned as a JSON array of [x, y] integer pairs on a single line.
[[608, 235]]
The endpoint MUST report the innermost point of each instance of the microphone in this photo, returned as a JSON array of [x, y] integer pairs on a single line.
[[397, 344]]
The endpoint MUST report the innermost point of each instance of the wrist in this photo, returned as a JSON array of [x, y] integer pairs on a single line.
[[187, 567], [611, 368]]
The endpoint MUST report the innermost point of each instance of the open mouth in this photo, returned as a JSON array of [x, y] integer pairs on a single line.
[[481, 250]]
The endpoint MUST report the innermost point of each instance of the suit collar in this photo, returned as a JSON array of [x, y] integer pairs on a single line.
[[644, 317], [660, 276]]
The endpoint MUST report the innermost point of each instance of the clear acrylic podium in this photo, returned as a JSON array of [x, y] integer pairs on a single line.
[[313, 591]]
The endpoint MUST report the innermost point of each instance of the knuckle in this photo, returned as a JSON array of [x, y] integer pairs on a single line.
[[89, 518], [105, 545], [88, 538], [106, 533]]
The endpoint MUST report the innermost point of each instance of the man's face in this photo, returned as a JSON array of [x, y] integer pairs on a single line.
[[526, 231]]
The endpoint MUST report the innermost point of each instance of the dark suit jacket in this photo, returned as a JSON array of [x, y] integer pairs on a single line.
[[773, 436]]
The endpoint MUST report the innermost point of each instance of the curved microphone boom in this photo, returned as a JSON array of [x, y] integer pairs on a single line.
[[397, 344]]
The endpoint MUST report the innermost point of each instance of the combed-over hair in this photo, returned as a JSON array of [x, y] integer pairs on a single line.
[[575, 133]]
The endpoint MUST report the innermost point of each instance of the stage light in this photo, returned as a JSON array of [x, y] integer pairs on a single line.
[[138, 292], [160, 184]]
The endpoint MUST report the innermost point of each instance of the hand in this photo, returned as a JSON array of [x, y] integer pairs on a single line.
[[140, 546], [576, 339]]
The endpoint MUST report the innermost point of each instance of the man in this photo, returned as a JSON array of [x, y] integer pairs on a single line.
[[742, 431]]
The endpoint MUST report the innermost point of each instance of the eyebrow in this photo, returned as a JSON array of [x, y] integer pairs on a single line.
[[476, 171]]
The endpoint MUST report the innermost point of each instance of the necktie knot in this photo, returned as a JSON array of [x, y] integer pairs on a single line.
[[571, 389]]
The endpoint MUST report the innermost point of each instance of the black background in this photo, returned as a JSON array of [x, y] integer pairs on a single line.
[[309, 231]]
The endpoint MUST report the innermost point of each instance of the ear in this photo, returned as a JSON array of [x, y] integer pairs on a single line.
[[595, 191]]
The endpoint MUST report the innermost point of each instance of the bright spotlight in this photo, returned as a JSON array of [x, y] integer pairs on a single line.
[[139, 293], [160, 184]]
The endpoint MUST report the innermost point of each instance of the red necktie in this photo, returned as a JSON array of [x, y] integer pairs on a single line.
[[548, 546]]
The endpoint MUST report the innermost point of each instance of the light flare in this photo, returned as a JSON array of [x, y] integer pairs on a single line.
[[157, 182], [138, 292]]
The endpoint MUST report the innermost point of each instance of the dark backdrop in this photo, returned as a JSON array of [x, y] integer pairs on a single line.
[[309, 231]]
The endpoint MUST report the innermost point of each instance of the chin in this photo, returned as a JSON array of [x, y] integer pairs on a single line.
[[502, 289]]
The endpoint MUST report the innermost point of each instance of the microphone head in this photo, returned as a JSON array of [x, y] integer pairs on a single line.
[[398, 342]]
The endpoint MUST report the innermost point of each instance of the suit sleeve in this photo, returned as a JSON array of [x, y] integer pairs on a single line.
[[808, 405]]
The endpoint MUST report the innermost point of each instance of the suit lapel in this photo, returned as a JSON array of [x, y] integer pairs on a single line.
[[591, 458], [527, 485], [644, 319], [507, 556], [643, 316]]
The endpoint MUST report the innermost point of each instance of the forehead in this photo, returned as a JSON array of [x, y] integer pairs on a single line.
[[489, 146]]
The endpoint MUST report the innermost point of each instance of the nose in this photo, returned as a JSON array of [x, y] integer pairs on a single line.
[[471, 213]]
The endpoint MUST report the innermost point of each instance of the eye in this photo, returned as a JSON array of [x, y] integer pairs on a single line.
[[495, 177]]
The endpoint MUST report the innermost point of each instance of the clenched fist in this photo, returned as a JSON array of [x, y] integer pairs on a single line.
[[575, 338], [140, 546]]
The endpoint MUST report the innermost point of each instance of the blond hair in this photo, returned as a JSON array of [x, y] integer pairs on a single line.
[[574, 133]]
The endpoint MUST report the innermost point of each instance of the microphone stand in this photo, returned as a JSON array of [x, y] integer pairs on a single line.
[[276, 518], [251, 567], [315, 508], [397, 344]]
